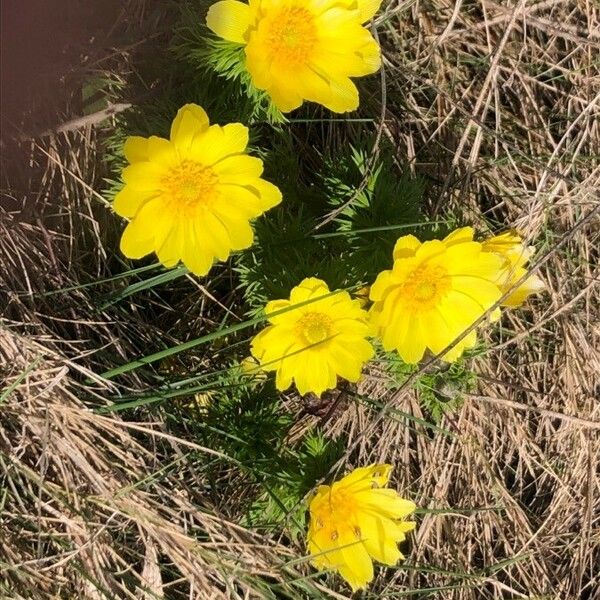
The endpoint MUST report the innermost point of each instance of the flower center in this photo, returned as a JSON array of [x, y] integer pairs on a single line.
[[190, 184], [426, 285], [337, 512], [291, 36], [314, 327]]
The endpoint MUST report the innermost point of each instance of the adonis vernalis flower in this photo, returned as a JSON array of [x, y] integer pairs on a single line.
[[435, 291], [510, 247], [315, 342], [355, 521], [300, 50], [190, 198]]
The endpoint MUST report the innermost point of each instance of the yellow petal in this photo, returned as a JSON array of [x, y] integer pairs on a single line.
[[396, 330], [239, 230], [275, 306], [457, 350], [459, 236], [238, 169], [532, 285], [468, 259], [229, 20], [128, 201], [147, 230], [313, 86], [406, 246], [162, 151], [258, 65], [238, 200], [484, 292], [136, 241], [302, 377], [270, 195], [313, 374], [350, 51], [344, 362], [216, 234], [344, 95], [235, 137], [385, 502], [412, 347], [357, 568], [425, 252], [382, 285], [368, 8], [310, 287], [286, 369], [284, 97], [440, 330], [144, 176], [260, 344], [170, 252], [218, 142], [365, 477], [196, 255], [190, 121], [503, 243], [136, 149], [377, 540]]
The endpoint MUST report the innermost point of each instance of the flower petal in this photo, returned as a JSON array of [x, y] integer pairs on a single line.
[[368, 8], [170, 252], [377, 539], [406, 246], [190, 121], [357, 568], [238, 169], [229, 20], [385, 502], [147, 230], [216, 142], [144, 176], [196, 255], [365, 477], [459, 236], [239, 229], [129, 200], [412, 346], [135, 149]]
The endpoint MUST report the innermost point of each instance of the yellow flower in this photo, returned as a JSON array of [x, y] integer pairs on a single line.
[[302, 49], [435, 291], [190, 198], [510, 247], [314, 343], [356, 520]]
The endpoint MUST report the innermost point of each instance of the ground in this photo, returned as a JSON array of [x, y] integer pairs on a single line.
[[494, 108]]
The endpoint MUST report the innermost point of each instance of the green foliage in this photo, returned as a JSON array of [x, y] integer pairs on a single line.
[[238, 415], [242, 418], [283, 256], [380, 205], [440, 390]]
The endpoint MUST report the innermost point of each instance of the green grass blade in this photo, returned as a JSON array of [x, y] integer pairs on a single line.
[[13, 386], [323, 236], [146, 284], [101, 281]]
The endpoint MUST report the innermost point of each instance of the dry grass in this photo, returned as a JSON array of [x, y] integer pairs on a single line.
[[501, 111]]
